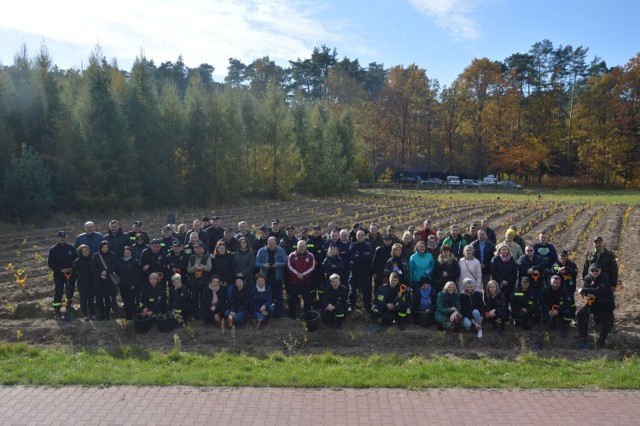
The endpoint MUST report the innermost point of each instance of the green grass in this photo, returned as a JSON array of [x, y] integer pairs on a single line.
[[594, 196], [21, 364]]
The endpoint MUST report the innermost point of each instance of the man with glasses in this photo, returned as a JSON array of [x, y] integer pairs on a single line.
[[600, 301]]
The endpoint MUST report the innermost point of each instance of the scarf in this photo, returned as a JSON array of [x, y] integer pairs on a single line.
[[126, 258], [214, 299], [261, 290]]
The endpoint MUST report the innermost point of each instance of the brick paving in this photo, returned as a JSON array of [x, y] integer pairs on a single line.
[[128, 405]]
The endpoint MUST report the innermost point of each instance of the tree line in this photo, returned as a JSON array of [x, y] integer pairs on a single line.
[[102, 137]]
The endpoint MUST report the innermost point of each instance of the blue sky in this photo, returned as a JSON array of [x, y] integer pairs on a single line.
[[442, 36]]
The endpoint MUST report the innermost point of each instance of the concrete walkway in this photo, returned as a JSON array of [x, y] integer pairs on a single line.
[[127, 405]]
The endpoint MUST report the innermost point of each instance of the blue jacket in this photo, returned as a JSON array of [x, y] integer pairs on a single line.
[[421, 264], [361, 257], [280, 258], [92, 241]]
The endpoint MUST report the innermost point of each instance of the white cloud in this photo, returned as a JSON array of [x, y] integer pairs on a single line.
[[208, 31], [454, 16]]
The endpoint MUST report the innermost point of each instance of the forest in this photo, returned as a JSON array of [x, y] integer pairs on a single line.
[[166, 135]]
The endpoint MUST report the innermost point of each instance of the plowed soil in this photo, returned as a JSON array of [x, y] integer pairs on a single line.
[[26, 314]]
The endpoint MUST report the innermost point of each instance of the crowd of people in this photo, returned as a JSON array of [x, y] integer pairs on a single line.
[[458, 280]]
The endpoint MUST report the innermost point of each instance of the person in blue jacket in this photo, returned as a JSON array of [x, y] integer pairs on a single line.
[[271, 260], [421, 264]]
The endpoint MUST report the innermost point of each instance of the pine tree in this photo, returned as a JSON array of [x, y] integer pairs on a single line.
[[26, 190]]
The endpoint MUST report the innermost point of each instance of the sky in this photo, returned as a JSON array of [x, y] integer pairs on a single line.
[[441, 36]]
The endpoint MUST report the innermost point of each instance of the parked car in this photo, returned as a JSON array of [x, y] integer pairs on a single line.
[[453, 181], [432, 182], [405, 179], [489, 181], [469, 183], [507, 184]]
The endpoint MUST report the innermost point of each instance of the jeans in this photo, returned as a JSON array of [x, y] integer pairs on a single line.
[[466, 322], [258, 315], [239, 318]]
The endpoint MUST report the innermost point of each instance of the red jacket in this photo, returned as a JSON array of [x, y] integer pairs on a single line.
[[303, 264]]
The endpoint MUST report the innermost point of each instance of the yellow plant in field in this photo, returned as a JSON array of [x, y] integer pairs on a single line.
[[9, 267], [18, 253], [19, 334], [20, 277], [24, 242], [37, 257]]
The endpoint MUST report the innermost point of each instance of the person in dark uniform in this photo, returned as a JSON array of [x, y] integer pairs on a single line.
[[567, 270], [60, 261], [136, 229], [524, 305], [128, 270], [180, 302], [603, 257], [557, 306], [216, 233], [334, 302], [380, 258], [600, 301], [392, 303], [275, 230], [153, 299], [360, 257]]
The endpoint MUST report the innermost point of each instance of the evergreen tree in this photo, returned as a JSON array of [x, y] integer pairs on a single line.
[[26, 191]]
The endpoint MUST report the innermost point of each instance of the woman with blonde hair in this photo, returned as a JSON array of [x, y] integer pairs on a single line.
[[448, 307], [469, 268]]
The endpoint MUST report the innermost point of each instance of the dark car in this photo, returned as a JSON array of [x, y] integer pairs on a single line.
[[432, 182], [405, 179], [469, 183], [507, 184]]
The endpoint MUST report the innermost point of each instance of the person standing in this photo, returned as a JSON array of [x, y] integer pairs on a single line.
[[360, 258], [60, 260], [598, 292], [301, 265], [84, 278], [89, 238], [603, 257], [271, 260], [103, 264], [483, 251]]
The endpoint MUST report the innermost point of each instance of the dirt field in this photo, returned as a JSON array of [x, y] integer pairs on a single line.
[[26, 313]]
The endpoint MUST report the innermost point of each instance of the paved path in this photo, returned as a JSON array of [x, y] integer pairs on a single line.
[[127, 405]]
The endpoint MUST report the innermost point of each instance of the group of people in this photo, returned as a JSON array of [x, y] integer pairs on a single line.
[[215, 274]]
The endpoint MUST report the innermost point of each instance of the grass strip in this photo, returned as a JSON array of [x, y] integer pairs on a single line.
[[594, 196], [21, 364]]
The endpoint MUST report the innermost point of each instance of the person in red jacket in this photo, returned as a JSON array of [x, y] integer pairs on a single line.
[[301, 265]]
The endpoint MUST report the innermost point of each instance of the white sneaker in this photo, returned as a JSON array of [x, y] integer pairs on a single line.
[[479, 333]]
